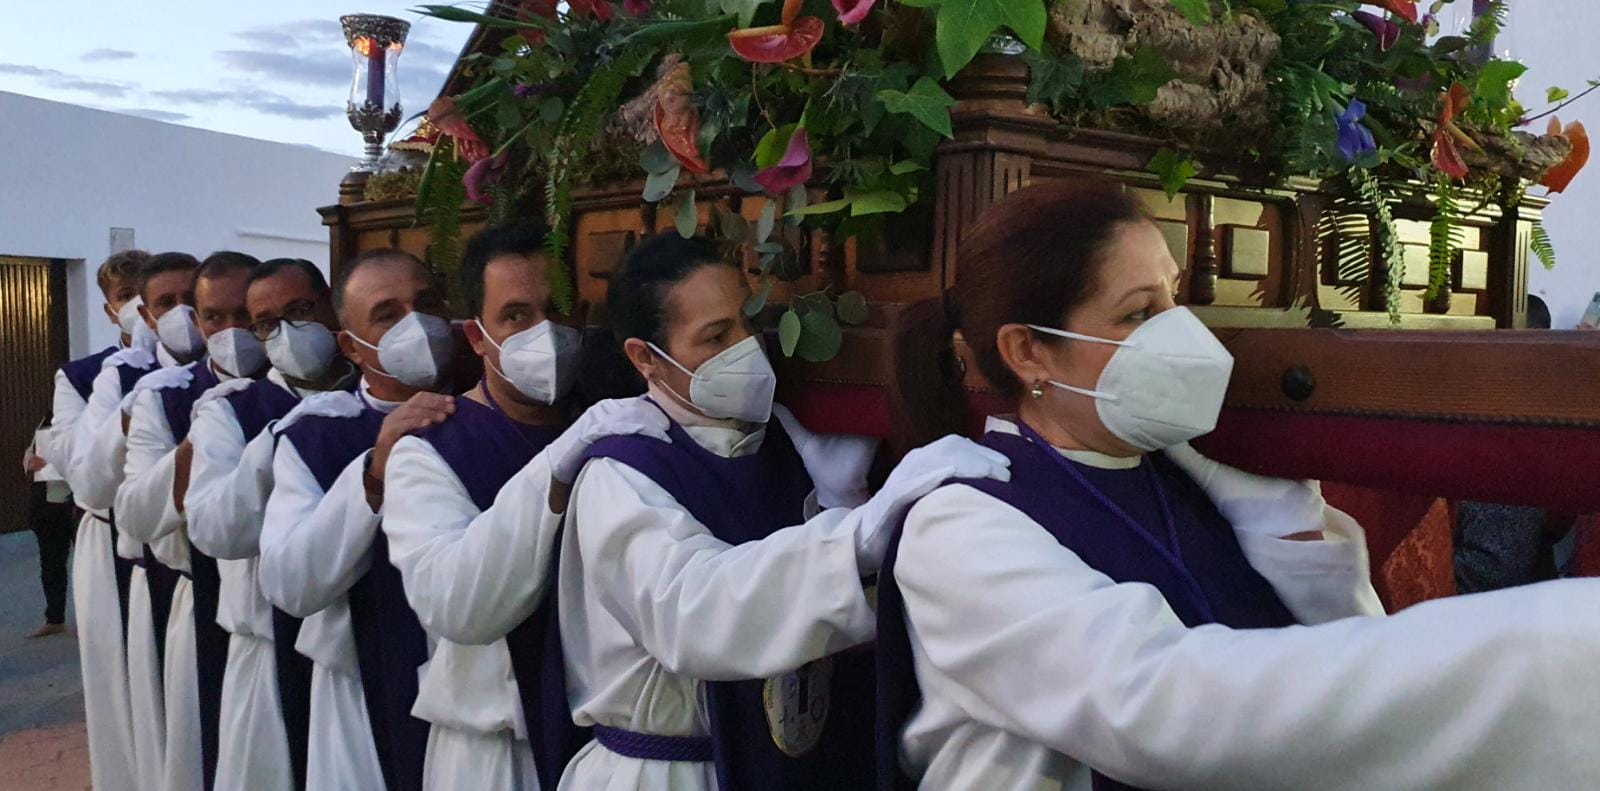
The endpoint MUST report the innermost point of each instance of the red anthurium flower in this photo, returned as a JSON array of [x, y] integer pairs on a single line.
[[680, 133], [777, 43], [1405, 9], [481, 178], [599, 9], [636, 7], [1560, 176], [1387, 32], [791, 11], [1446, 154], [447, 119], [791, 171], [851, 12]]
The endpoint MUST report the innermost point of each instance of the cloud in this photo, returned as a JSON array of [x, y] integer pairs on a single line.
[[252, 99], [300, 68], [61, 80], [103, 54], [300, 34], [154, 115]]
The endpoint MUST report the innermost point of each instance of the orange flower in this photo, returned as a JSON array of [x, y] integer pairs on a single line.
[[1561, 175], [1446, 154]]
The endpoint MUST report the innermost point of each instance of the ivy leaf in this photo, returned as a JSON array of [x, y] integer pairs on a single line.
[[789, 332], [1026, 18], [758, 300], [820, 337], [659, 185], [1556, 94], [852, 307], [1494, 81], [926, 102], [769, 217], [962, 29], [906, 166], [1134, 80], [688, 220], [1197, 11], [773, 144], [1174, 169], [745, 9], [1052, 78]]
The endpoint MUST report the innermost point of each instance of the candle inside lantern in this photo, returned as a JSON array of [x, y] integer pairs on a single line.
[[375, 56]]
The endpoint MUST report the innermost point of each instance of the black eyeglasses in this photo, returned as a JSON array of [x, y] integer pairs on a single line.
[[267, 329]]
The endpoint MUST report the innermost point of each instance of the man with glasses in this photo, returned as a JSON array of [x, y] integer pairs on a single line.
[[230, 478]]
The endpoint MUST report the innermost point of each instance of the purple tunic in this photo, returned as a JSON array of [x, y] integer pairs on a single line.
[[1205, 578], [327, 445], [485, 448], [747, 499], [81, 372]]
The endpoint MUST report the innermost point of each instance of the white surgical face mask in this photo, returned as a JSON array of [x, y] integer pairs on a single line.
[[1164, 386], [736, 384], [236, 352], [302, 352], [415, 351], [128, 318], [541, 362], [178, 332]]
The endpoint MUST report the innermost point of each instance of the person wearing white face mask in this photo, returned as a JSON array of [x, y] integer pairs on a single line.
[[1127, 613], [98, 577], [712, 606], [472, 509], [96, 472], [229, 455], [319, 526], [195, 648]]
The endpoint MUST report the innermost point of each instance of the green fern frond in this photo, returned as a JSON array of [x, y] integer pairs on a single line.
[[1379, 203], [1444, 238], [1543, 248], [439, 198]]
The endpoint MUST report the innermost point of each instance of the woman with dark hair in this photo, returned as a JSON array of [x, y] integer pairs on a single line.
[[711, 599], [1124, 611]]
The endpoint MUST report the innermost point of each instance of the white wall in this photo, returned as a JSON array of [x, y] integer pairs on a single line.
[[1556, 39], [69, 174]]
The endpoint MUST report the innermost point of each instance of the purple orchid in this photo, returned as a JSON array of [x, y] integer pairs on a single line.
[[793, 170], [1387, 32], [1355, 140]]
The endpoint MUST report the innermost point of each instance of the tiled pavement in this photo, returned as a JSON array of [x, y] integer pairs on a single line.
[[43, 746]]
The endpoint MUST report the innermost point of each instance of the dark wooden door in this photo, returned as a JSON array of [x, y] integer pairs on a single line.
[[33, 342]]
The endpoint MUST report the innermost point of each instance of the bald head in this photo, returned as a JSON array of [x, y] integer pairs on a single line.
[[379, 288]]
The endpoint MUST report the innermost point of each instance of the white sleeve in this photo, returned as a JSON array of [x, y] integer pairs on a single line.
[[314, 545], [98, 446], [471, 576], [66, 406], [1491, 691], [707, 609], [1319, 581], [229, 481], [144, 501]]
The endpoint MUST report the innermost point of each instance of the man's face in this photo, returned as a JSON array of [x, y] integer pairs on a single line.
[[165, 291], [219, 301], [288, 295], [378, 296], [121, 292]]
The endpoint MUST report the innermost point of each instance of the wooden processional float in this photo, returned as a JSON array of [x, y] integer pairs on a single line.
[[1456, 403]]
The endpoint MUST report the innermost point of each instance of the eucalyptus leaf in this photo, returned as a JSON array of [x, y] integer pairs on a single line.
[[687, 220], [758, 300], [508, 115], [876, 202], [768, 248], [657, 159], [906, 166], [789, 332], [743, 176], [769, 216], [852, 307], [826, 207], [735, 228], [659, 185], [551, 109], [796, 198], [820, 338]]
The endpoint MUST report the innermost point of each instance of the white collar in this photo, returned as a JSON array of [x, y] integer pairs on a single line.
[[1087, 458], [729, 439], [375, 402], [165, 357]]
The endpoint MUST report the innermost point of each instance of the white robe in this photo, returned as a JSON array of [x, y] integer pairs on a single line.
[[99, 453], [146, 511], [229, 480], [1034, 666], [95, 601], [651, 604], [471, 576], [314, 546]]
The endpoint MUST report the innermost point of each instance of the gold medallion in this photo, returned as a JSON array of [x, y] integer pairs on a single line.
[[797, 706]]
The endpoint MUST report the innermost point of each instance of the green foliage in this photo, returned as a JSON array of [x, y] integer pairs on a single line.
[[1132, 80], [1197, 11], [1445, 237], [439, 198], [1380, 205], [926, 102], [1543, 248], [1174, 169], [964, 26]]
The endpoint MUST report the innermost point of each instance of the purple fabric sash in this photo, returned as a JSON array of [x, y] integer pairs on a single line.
[[1205, 577], [259, 404], [176, 402], [746, 499], [485, 448], [81, 372]]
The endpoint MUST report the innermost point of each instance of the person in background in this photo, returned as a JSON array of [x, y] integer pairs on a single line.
[[195, 648], [1124, 612], [166, 290], [472, 508], [50, 515], [224, 505], [316, 538], [99, 575]]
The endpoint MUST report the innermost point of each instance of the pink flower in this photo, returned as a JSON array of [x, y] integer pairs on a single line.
[[851, 12], [792, 170], [636, 7], [481, 178]]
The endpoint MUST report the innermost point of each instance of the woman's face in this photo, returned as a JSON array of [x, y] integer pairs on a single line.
[[1137, 280], [704, 315]]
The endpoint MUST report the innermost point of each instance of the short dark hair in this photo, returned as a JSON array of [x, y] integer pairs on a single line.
[[525, 239], [224, 261], [361, 262], [273, 266], [1538, 313], [634, 307], [162, 263], [120, 267]]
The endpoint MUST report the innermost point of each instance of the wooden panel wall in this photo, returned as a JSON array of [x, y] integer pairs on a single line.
[[33, 342]]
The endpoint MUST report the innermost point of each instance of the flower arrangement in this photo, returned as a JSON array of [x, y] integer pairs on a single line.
[[850, 94]]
